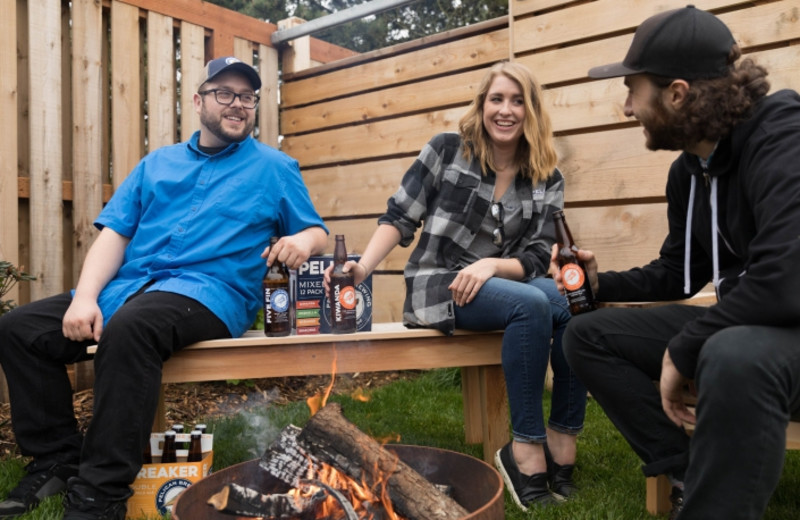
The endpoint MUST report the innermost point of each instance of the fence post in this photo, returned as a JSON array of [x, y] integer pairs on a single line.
[[296, 55]]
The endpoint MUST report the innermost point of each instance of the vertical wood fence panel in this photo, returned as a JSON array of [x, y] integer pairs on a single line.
[[87, 87], [9, 212], [192, 64], [268, 107], [127, 134], [45, 108], [160, 81]]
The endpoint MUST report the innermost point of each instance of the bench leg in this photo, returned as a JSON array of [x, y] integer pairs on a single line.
[[160, 420], [471, 392], [658, 490], [485, 408], [494, 403]]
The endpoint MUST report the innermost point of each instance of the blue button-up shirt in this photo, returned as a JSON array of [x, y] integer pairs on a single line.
[[199, 223]]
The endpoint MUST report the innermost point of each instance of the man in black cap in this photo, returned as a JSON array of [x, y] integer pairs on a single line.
[[179, 259], [733, 211]]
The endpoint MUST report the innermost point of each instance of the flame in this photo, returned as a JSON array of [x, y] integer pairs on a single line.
[[366, 500], [317, 401]]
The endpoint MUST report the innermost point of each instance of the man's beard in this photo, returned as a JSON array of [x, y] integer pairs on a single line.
[[214, 125], [664, 128]]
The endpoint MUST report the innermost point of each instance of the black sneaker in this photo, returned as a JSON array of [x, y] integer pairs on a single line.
[[83, 502], [559, 477], [676, 499], [41, 481], [526, 490]]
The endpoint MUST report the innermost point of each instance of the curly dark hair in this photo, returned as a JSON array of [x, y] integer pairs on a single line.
[[714, 106]]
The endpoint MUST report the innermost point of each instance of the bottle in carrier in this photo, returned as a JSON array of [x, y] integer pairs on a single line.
[[343, 292], [195, 447], [168, 453], [573, 273], [277, 302]]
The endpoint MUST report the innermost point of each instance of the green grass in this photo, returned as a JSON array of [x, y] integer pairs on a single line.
[[426, 410]]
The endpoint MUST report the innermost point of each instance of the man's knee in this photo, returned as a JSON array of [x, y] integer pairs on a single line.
[[581, 333], [735, 357]]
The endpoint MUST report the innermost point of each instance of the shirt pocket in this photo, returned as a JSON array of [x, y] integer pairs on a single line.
[[243, 200], [458, 192]]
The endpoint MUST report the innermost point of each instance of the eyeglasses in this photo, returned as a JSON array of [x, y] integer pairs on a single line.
[[226, 97], [498, 235]]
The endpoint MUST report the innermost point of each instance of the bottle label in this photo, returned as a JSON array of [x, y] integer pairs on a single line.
[[347, 297], [572, 277], [279, 300]]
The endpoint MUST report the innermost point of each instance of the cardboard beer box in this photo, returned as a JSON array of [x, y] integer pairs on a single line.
[[312, 308], [158, 485]]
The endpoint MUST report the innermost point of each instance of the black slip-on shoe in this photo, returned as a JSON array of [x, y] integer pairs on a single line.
[[559, 477], [526, 490]]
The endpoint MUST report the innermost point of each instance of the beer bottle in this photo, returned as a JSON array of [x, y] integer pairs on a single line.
[[201, 426], [168, 452], [195, 447], [277, 302], [343, 292], [573, 273], [147, 452]]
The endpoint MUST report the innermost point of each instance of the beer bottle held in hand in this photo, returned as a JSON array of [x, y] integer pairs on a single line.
[[343, 292], [277, 302], [573, 273], [168, 453]]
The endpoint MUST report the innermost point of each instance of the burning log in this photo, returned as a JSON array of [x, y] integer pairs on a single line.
[[239, 500], [335, 440]]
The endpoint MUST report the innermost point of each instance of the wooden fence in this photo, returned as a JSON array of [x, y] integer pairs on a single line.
[[357, 124], [83, 78]]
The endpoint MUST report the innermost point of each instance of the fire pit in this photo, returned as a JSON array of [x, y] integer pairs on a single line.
[[476, 486]]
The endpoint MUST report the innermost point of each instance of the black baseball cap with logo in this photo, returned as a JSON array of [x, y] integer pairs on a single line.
[[685, 43], [217, 66]]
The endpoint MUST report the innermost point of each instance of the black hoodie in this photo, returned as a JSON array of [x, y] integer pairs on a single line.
[[756, 171]]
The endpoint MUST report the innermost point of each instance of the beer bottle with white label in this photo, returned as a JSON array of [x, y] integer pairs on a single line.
[[343, 292], [576, 283], [277, 302]]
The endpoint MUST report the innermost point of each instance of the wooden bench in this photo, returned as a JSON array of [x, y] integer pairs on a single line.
[[388, 347]]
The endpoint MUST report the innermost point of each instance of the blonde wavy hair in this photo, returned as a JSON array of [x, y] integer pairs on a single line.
[[536, 156]]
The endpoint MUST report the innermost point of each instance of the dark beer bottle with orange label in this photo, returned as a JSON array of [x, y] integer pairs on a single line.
[[576, 283], [343, 292], [277, 301]]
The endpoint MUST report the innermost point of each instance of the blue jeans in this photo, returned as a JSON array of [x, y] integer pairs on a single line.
[[534, 315]]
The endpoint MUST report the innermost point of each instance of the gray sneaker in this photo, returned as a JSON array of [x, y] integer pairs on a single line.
[[41, 481]]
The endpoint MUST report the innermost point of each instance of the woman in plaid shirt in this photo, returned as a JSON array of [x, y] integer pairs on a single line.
[[485, 198]]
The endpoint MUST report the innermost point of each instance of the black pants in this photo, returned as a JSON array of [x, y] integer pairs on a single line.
[[137, 339], [748, 382]]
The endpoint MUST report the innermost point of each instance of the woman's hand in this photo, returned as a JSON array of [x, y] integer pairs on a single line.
[[359, 274], [469, 280]]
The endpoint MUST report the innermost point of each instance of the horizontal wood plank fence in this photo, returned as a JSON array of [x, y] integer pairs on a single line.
[[85, 74]]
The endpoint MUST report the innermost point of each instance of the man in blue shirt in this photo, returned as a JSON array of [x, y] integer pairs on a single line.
[[179, 259]]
